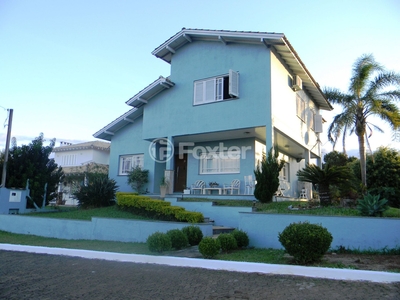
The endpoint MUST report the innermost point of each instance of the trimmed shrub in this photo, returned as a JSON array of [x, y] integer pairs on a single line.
[[159, 242], [241, 238], [156, 209], [209, 247], [178, 239], [227, 242], [306, 242], [193, 234], [372, 206]]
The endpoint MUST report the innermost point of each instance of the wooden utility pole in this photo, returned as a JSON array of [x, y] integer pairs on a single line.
[[4, 175]]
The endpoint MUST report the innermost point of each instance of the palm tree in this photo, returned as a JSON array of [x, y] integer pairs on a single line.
[[373, 91], [341, 176]]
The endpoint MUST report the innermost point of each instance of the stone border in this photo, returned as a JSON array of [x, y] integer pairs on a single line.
[[326, 273]]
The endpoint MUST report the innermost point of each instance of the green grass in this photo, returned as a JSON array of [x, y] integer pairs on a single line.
[[33, 240], [87, 214], [268, 256], [392, 213], [282, 208]]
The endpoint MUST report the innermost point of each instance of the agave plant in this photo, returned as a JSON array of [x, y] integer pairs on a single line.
[[372, 206]]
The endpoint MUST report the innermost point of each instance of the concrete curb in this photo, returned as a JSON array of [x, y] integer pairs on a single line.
[[327, 273]]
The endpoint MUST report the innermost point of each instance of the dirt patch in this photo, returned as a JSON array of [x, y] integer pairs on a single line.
[[387, 263]]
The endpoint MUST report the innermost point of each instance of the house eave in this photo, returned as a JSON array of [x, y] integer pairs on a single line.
[[107, 132], [150, 91], [94, 145]]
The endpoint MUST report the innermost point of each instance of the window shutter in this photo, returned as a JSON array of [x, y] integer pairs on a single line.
[[198, 92], [234, 84], [317, 123], [219, 89], [209, 90]]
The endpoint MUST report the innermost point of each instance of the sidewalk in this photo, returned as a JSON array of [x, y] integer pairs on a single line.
[[260, 268]]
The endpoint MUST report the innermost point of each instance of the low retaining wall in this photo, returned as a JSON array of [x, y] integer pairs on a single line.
[[98, 229], [351, 232], [222, 215]]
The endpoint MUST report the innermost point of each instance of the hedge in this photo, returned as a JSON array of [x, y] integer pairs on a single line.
[[156, 209]]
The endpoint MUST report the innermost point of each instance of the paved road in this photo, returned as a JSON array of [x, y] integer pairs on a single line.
[[41, 276]]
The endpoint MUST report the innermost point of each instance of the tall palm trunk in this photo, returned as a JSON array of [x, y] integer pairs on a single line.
[[363, 164]]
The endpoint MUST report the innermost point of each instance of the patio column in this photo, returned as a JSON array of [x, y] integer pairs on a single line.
[[307, 156], [169, 167]]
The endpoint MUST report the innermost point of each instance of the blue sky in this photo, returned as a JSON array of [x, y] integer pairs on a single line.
[[67, 67]]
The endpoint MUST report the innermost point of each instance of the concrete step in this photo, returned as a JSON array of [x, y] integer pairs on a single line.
[[221, 229]]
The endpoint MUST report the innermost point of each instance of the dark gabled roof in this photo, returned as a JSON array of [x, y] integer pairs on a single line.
[[275, 41]]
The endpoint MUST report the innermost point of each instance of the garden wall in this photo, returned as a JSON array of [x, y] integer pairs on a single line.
[[351, 232], [227, 216], [98, 229]]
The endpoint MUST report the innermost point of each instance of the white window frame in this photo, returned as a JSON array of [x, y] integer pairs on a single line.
[[220, 163], [129, 162], [212, 89], [300, 108], [312, 119]]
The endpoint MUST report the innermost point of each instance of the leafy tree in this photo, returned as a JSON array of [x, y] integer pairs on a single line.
[[137, 178], [372, 92], [267, 176], [32, 162], [330, 175], [336, 158], [384, 174]]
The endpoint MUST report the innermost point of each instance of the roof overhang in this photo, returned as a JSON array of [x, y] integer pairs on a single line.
[[107, 132], [275, 41], [150, 91]]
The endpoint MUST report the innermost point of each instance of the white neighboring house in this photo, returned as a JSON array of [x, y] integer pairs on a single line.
[[77, 159]]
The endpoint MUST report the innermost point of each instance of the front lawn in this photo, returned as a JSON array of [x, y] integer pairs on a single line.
[[87, 214], [282, 208]]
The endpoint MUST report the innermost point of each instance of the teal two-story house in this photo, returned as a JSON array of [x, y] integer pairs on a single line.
[[229, 97]]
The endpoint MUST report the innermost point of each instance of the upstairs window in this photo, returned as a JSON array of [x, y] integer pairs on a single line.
[[217, 88], [312, 118], [68, 160], [129, 162], [300, 108]]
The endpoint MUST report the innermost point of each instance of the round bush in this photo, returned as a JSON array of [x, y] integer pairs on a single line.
[[178, 239], [209, 247], [227, 242], [306, 242], [241, 238], [159, 242], [193, 234]]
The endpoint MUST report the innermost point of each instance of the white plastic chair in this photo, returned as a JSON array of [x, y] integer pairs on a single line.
[[199, 185], [234, 185], [303, 194]]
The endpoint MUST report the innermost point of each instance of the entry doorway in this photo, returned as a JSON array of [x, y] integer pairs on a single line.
[[180, 172]]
